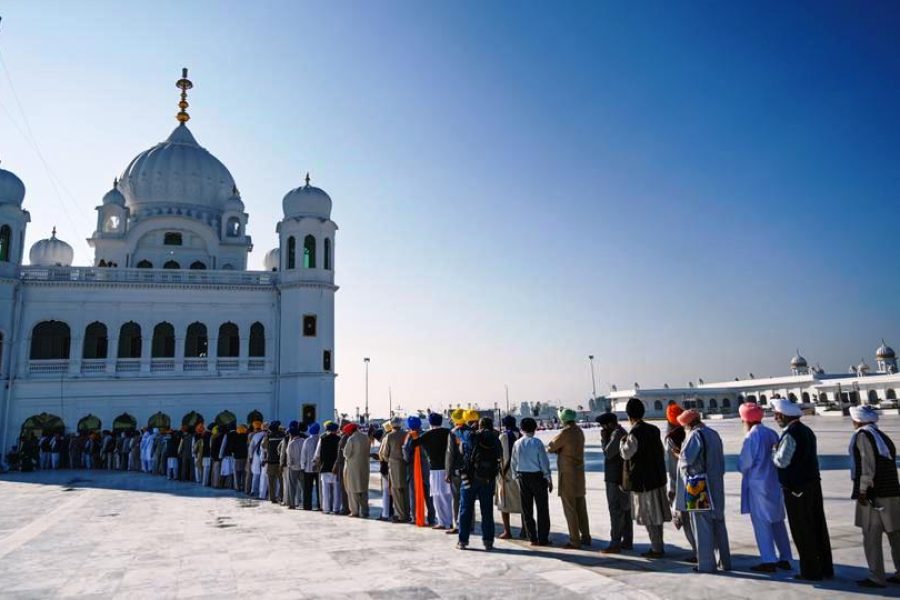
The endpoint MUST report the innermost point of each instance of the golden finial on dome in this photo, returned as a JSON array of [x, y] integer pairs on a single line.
[[184, 84]]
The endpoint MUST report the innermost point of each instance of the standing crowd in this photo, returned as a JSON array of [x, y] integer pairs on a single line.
[[434, 478]]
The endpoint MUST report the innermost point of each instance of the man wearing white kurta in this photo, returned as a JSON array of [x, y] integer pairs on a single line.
[[761, 492], [146, 447]]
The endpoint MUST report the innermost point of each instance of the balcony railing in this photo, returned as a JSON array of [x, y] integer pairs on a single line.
[[119, 275], [48, 367], [93, 366], [256, 364], [227, 364], [195, 364], [128, 365], [158, 365]]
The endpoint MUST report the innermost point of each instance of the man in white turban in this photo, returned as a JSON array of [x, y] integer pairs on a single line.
[[797, 461], [877, 493]]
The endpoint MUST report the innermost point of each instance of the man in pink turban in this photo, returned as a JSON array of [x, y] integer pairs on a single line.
[[761, 492]]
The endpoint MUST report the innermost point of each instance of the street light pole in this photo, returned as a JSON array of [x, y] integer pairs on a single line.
[[593, 379], [507, 399], [366, 360]]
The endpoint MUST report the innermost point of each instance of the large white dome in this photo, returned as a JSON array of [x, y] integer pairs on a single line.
[[307, 201], [12, 190], [177, 171], [51, 252], [272, 259]]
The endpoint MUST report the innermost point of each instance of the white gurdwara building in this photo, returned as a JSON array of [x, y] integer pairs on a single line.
[[810, 386], [168, 321]]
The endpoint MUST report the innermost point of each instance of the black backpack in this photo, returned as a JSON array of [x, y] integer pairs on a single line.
[[483, 463]]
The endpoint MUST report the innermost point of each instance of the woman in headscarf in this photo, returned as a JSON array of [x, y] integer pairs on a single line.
[[675, 435], [508, 498]]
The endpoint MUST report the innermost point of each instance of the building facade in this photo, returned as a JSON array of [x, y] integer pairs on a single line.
[[810, 386], [167, 321]]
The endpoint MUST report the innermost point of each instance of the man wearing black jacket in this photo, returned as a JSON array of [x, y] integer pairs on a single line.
[[434, 443]]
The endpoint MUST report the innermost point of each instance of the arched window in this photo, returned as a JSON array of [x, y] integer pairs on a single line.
[[309, 252], [163, 341], [762, 399], [792, 397], [257, 340], [191, 420], [130, 340], [805, 397], [700, 403], [95, 341], [233, 228], [726, 403], [43, 423], [658, 405], [145, 264], [292, 253], [171, 264], [254, 415], [890, 394], [159, 420], [823, 397], [89, 424], [228, 267], [873, 397], [5, 241], [229, 341], [196, 343], [198, 266], [713, 403], [326, 260], [50, 341], [226, 417], [172, 238], [740, 399], [326, 360], [124, 422]]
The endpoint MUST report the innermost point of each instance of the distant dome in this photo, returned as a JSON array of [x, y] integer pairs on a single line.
[[12, 190], [798, 361], [51, 252], [863, 367], [177, 171], [272, 260], [885, 352], [234, 202], [307, 201], [114, 196]]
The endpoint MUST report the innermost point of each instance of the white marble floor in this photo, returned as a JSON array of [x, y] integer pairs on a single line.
[[97, 534]]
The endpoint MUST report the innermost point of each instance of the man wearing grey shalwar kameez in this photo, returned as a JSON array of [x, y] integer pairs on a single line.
[[646, 476], [702, 453]]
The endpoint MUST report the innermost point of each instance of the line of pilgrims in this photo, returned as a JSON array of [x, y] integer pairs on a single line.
[[436, 477]]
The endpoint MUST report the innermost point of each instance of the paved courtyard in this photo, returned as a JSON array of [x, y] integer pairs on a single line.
[[97, 534]]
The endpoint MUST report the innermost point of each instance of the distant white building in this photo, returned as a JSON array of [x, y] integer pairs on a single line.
[[807, 385], [167, 320]]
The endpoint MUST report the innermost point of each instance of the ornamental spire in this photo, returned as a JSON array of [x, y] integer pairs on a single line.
[[184, 84], [307, 179]]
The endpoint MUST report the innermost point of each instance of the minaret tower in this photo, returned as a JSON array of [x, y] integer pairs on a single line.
[[306, 359]]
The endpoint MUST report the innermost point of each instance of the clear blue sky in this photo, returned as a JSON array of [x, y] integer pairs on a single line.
[[684, 191]]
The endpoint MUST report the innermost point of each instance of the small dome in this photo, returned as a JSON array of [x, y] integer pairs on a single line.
[[114, 196], [885, 352], [307, 201], [272, 260], [51, 252], [12, 190], [798, 361], [234, 203]]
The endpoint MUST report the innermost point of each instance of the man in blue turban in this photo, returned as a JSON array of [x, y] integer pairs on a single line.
[[434, 443]]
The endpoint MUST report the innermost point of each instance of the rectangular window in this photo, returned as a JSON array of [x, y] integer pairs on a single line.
[[309, 325], [172, 238], [326, 360]]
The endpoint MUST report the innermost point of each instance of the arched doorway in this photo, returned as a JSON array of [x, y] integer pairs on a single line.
[[254, 415], [159, 421], [873, 397], [792, 397], [890, 394], [50, 341], [751, 398], [124, 422], [191, 420], [43, 423], [823, 397], [805, 397], [226, 417], [89, 424]]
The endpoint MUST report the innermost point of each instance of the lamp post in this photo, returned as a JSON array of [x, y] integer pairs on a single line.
[[593, 379], [366, 360]]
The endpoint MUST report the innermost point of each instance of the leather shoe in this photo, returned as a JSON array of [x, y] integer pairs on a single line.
[[868, 583], [784, 565], [764, 568], [612, 550]]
